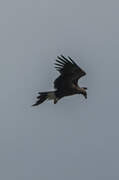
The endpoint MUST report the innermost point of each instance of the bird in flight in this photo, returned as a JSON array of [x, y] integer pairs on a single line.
[[67, 82]]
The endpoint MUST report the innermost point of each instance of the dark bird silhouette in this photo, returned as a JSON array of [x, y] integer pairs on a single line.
[[66, 84]]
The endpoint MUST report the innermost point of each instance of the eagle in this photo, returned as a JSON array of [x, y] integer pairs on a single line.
[[67, 82]]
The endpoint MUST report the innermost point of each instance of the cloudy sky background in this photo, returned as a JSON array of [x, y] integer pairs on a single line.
[[77, 138]]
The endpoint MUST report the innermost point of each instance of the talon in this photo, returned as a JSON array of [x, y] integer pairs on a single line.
[[55, 100]]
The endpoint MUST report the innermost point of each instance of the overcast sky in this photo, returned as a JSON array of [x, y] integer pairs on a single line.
[[76, 138]]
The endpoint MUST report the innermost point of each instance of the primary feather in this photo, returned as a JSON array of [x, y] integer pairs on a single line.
[[70, 72]]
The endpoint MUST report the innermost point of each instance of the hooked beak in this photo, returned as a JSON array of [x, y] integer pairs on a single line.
[[85, 95]]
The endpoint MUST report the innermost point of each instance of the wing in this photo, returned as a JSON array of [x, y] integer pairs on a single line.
[[69, 71]]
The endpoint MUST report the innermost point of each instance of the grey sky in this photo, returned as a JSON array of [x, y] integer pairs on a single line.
[[77, 138]]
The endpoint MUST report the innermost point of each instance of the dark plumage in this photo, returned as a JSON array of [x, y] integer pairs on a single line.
[[67, 83]]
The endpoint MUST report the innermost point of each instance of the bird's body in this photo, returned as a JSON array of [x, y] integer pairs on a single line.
[[67, 83]]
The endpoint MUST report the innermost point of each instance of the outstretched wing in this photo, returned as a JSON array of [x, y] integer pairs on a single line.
[[68, 69]]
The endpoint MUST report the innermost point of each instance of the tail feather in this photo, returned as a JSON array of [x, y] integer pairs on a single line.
[[41, 98]]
